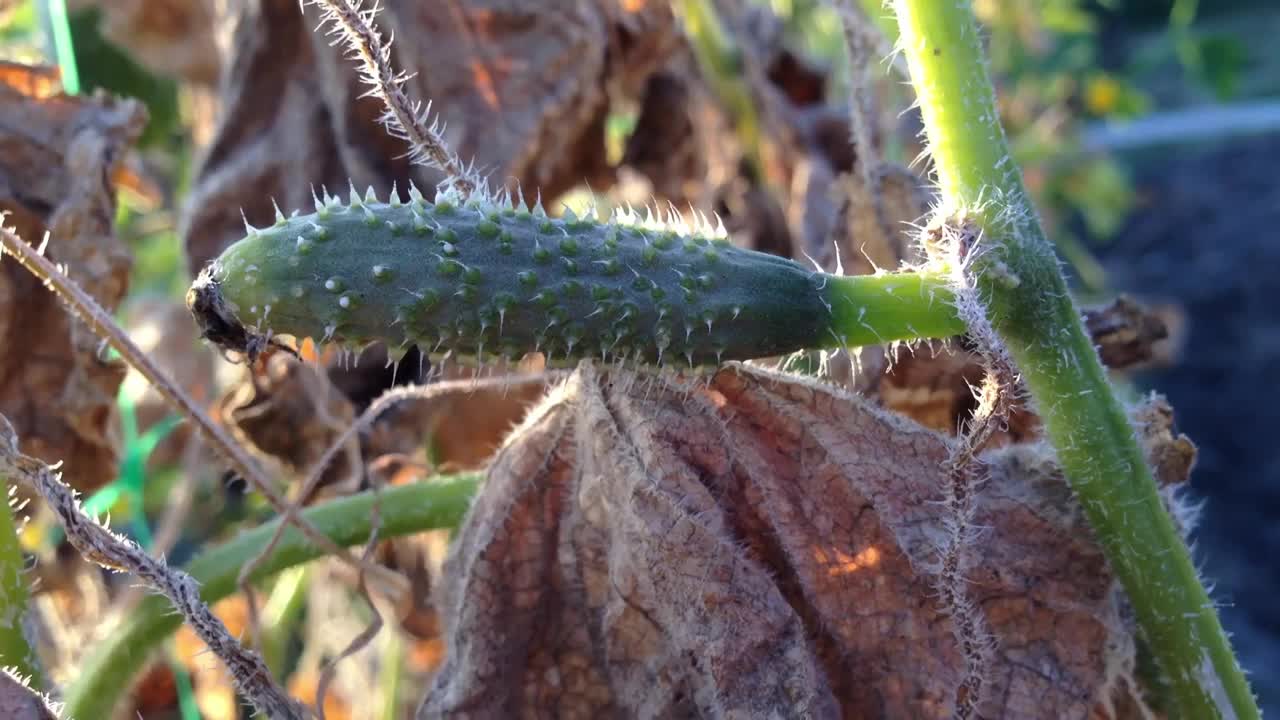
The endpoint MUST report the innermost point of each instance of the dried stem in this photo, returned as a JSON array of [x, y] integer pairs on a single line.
[[366, 636], [107, 672], [863, 195], [84, 307], [384, 402], [860, 45], [404, 119], [250, 675], [321, 387], [965, 473]]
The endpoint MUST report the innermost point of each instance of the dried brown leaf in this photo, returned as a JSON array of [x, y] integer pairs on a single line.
[[290, 411], [932, 384], [1125, 332], [58, 155], [758, 546], [168, 37], [523, 87], [464, 429], [293, 411], [156, 690], [665, 146], [1170, 453]]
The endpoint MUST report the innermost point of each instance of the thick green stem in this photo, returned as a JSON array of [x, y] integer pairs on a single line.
[[875, 309], [406, 509], [1026, 300], [14, 650]]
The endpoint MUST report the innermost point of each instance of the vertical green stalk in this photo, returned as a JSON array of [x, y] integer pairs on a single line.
[[280, 617], [722, 62], [63, 46], [390, 671], [14, 650], [1025, 298]]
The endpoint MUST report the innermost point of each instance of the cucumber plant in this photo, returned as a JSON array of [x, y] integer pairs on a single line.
[[481, 274]]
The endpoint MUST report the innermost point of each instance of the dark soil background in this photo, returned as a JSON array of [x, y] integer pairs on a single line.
[[1206, 237]]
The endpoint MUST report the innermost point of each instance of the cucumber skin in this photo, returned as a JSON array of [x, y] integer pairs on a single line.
[[490, 278]]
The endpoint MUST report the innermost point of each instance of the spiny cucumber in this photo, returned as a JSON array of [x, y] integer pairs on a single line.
[[492, 276]]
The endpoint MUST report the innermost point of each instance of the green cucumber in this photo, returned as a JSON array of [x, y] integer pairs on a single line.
[[490, 276]]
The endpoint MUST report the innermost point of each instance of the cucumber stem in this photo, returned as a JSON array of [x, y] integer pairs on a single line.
[[876, 309], [1025, 298]]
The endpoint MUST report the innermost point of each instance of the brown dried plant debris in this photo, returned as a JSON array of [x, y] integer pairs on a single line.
[[754, 545], [290, 411], [1170, 453], [169, 37], [58, 155], [522, 86], [1126, 332], [670, 145], [931, 383]]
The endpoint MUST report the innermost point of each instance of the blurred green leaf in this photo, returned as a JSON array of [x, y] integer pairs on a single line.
[[1068, 17], [1223, 60], [1104, 195], [105, 66], [19, 25]]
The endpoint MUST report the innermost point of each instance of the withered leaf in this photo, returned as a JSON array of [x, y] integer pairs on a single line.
[[932, 385], [57, 158], [1125, 332], [1170, 453], [523, 88], [292, 412], [169, 37], [759, 546]]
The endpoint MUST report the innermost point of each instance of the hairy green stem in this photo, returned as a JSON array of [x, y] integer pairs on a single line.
[[14, 650], [875, 309], [405, 509], [1025, 298]]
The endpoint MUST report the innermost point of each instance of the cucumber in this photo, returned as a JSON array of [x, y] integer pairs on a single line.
[[491, 277]]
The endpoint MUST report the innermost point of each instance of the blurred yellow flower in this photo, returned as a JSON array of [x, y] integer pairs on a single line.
[[1102, 94]]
